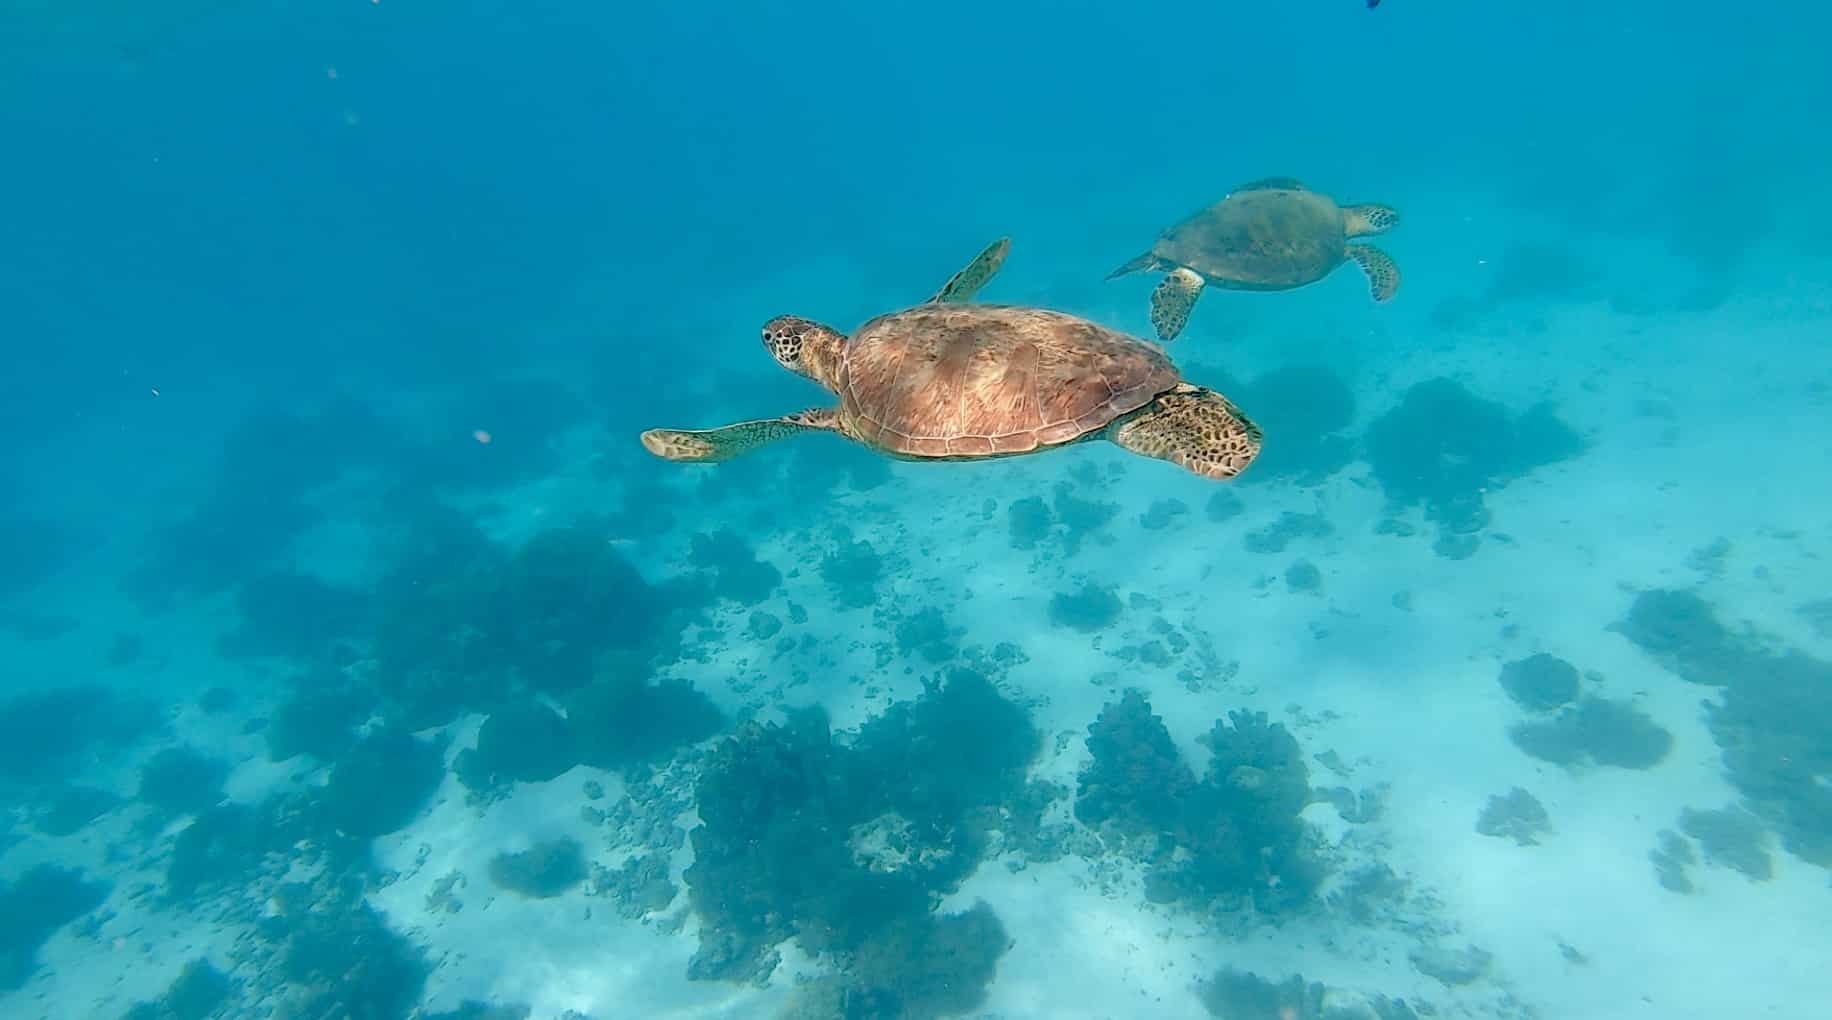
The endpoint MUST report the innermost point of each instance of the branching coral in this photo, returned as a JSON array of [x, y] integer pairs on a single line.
[[1235, 835]]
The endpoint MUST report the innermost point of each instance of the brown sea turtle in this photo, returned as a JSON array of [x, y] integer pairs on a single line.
[[950, 380], [1274, 234]]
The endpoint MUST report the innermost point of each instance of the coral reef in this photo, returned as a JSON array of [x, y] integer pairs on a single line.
[[1091, 608], [845, 847], [621, 720], [1518, 816], [852, 570], [1598, 731], [1540, 682], [1768, 721], [43, 734], [179, 780], [542, 871], [320, 719], [1233, 837], [1232, 994], [522, 742], [741, 576], [1445, 448], [196, 994], [1308, 408], [382, 783], [1731, 837], [1274, 537], [34, 906]]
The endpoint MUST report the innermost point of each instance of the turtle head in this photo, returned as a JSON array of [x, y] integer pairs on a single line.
[[805, 347], [1363, 220]]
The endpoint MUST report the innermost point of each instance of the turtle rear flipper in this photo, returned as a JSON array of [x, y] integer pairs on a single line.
[[1172, 300], [1194, 428], [966, 283], [708, 446], [1381, 270]]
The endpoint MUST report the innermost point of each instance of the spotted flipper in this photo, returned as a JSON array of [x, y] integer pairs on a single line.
[[709, 446], [1194, 428], [1368, 218], [1172, 300], [1381, 270], [966, 283]]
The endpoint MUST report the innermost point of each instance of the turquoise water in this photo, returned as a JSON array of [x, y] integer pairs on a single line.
[[357, 659]]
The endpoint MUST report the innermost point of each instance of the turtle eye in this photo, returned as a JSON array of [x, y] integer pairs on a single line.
[[784, 344]]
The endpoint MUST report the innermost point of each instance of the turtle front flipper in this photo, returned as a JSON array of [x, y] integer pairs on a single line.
[[1172, 300], [1381, 270], [1368, 218], [713, 445], [966, 283], [1138, 264], [1194, 428]]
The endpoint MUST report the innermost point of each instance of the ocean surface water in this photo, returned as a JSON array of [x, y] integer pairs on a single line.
[[899, 511]]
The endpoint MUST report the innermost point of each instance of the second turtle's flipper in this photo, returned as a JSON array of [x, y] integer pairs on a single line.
[[1137, 265], [966, 283], [1172, 300], [1194, 428], [1381, 270], [710, 446]]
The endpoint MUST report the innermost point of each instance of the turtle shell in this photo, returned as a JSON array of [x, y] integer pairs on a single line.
[[1260, 238], [981, 380]]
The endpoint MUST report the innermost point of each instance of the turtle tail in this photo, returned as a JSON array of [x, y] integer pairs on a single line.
[[1137, 265]]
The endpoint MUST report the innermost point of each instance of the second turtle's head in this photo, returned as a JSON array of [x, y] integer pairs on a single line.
[[804, 347]]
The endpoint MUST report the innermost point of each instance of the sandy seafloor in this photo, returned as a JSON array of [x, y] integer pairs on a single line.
[[1405, 697]]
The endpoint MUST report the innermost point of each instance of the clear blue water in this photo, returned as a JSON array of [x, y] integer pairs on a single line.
[[334, 576]]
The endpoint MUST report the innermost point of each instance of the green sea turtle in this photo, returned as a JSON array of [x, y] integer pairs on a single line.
[[948, 380], [1274, 234]]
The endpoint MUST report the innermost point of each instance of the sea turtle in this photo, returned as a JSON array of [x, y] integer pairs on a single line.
[[1274, 234], [948, 380]]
